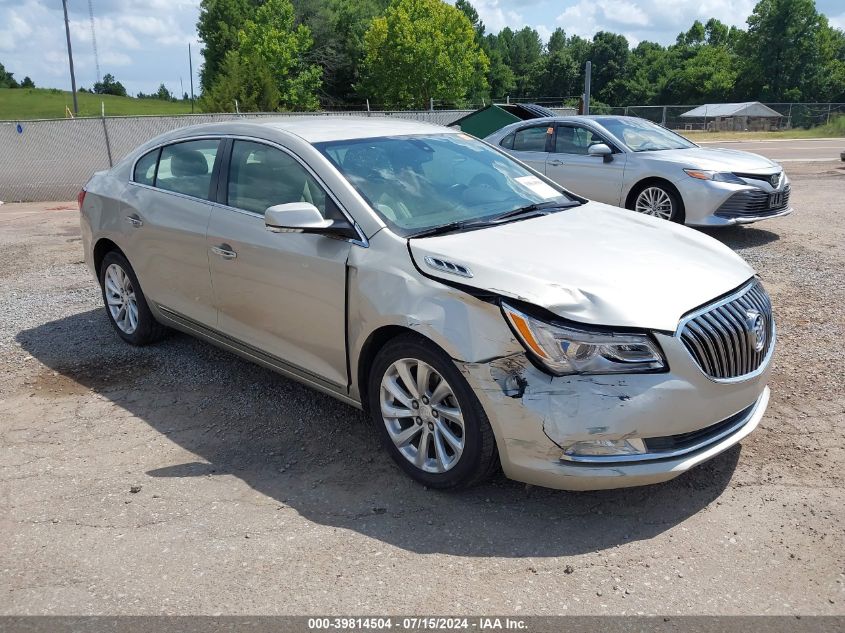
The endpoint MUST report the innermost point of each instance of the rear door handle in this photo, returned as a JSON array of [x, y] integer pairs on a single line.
[[555, 163], [225, 251], [134, 220]]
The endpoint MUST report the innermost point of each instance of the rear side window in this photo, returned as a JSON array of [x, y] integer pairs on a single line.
[[145, 168], [186, 167], [507, 142], [531, 139]]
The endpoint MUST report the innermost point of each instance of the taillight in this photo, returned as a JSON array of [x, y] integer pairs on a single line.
[[80, 198]]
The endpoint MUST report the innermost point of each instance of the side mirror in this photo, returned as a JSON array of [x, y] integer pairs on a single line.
[[304, 217], [601, 149]]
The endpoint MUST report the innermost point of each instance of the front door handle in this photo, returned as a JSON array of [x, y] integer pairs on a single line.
[[134, 221], [555, 163], [225, 251]]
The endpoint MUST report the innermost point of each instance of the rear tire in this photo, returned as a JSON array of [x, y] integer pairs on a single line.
[[430, 420], [125, 303]]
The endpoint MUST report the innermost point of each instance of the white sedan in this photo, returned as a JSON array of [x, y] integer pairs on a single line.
[[634, 163]]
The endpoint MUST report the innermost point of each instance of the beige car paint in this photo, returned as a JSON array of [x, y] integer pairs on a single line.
[[281, 303]]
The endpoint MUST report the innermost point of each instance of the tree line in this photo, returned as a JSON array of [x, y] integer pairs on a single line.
[[301, 54]]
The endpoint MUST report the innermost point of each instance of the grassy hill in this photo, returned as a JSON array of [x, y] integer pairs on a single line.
[[47, 103]]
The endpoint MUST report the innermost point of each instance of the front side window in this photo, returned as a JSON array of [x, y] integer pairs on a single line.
[[419, 182], [186, 167], [571, 139], [261, 176], [643, 136], [531, 139], [145, 168]]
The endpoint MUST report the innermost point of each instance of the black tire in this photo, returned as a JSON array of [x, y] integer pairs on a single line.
[[480, 458], [147, 330], [678, 213]]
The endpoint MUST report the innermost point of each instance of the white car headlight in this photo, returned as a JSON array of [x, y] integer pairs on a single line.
[[564, 350]]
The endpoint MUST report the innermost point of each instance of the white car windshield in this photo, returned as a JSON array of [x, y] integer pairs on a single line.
[[417, 183], [641, 135]]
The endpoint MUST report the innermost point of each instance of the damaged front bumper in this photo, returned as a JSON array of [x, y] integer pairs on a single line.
[[681, 418]]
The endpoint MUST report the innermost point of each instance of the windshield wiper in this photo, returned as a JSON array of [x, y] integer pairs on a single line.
[[530, 210]]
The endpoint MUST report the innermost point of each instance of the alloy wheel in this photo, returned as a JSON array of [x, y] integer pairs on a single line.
[[656, 202], [120, 299], [422, 415]]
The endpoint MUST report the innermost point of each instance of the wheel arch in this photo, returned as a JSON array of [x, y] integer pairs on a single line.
[[103, 247], [377, 339], [654, 180]]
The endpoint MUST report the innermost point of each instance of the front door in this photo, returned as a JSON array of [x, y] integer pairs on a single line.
[[570, 165], [281, 293]]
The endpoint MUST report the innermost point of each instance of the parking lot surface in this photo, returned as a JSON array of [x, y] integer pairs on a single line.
[[788, 150], [180, 479]]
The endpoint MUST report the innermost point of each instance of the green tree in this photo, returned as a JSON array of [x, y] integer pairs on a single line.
[[218, 26], [109, 86], [273, 40], [526, 50], [27, 83], [559, 70], [610, 55], [245, 81], [338, 28], [7, 79], [500, 78], [421, 49], [780, 49]]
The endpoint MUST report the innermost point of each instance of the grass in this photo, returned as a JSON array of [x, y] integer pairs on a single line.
[[835, 128], [46, 103]]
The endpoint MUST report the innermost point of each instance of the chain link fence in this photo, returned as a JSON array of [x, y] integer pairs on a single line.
[[52, 159]]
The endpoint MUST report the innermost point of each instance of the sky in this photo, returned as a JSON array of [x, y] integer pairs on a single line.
[[145, 42]]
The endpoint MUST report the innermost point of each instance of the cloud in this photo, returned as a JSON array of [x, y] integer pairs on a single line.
[[142, 42], [656, 20]]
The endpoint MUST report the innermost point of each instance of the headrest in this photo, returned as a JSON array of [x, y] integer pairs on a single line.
[[189, 163]]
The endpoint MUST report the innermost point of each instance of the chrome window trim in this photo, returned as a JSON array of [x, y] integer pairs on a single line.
[[362, 240], [764, 364]]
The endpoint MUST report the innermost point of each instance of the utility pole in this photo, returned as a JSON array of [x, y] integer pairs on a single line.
[[70, 60], [191, 70], [588, 71]]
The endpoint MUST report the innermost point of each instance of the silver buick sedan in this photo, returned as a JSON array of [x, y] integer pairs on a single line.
[[481, 315], [636, 164]]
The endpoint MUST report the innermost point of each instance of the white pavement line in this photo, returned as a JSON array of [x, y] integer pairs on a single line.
[[803, 160], [775, 140]]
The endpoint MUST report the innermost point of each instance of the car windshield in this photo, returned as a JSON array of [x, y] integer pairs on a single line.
[[417, 183], [644, 136]]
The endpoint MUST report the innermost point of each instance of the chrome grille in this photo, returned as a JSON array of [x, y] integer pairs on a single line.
[[751, 202], [722, 338]]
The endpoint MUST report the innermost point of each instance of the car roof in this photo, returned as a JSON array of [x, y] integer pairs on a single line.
[[316, 128]]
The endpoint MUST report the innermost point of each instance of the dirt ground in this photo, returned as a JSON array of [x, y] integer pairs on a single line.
[[180, 479]]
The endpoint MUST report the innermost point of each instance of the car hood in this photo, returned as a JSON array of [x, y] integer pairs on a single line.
[[716, 159], [595, 264]]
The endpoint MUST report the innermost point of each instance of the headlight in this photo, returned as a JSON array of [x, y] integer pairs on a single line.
[[719, 176], [564, 350]]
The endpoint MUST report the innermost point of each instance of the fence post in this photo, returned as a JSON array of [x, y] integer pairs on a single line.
[[106, 131], [829, 106], [663, 120]]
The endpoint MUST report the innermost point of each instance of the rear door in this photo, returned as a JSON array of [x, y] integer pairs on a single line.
[[167, 218], [281, 293], [570, 164], [530, 145]]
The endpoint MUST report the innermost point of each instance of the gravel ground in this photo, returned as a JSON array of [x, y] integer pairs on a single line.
[[180, 479]]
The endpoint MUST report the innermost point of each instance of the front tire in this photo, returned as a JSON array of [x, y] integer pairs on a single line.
[[125, 303], [430, 420], [658, 200]]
